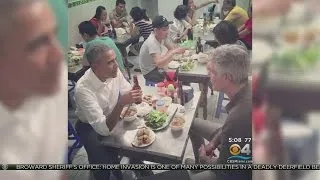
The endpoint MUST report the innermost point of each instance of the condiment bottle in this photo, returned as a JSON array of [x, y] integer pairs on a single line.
[[180, 94], [136, 86], [199, 47]]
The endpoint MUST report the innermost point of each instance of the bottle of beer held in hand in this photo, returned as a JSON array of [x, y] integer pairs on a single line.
[[136, 86]]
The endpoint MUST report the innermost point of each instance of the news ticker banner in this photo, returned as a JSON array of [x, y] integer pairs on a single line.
[[159, 167]]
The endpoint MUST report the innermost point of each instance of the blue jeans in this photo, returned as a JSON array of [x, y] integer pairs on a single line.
[[98, 154]]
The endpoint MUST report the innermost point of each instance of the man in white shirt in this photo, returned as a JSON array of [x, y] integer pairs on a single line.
[[157, 52], [100, 95], [33, 78]]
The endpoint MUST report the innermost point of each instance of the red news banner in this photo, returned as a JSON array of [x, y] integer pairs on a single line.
[[159, 167]]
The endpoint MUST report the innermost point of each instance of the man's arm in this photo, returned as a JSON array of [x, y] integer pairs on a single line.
[[241, 28], [236, 126], [162, 61], [206, 3], [169, 45], [244, 32], [214, 143], [191, 20], [93, 113]]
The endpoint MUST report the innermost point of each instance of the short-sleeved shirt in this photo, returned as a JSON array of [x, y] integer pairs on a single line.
[[118, 17], [145, 29], [107, 41], [96, 100], [177, 28], [95, 23], [248, 37], [237, 11], [149, 47]]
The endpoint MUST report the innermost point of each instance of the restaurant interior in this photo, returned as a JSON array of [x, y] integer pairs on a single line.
[[285, 108]]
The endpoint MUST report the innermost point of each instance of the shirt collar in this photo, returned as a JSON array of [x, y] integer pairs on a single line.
[[238, 96], [95, 81]]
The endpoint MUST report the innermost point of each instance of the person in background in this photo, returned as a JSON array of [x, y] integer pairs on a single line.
[[33, 78], [100, 20], [245, 31], [191, 18], [89, 34], [154, 55], [233, 13], [226, 33], [141, 25], [100, 95], [119, 15], [179, 29]]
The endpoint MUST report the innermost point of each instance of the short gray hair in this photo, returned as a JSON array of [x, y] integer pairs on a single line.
[[95, 51], [233, 60]]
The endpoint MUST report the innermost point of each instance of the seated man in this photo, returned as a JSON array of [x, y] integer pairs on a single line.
[[228, 70], [119, 15], [100, 95], [153, 53], [90, 35]]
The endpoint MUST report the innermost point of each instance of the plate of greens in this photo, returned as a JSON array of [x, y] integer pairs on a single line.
[[157, 120], [189, 44], [188, 66]]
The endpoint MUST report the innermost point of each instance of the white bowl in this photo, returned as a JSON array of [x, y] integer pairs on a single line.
[[173, 65], [167, 100], [177, 57], [131, 118], [143, 109], [177, 128], [203, 58]]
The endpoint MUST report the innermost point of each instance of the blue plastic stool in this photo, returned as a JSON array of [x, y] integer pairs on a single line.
[[150, 83], [220, 109], [72, 135]]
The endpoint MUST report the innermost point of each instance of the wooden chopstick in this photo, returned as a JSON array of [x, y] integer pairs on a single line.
[[124, 115]]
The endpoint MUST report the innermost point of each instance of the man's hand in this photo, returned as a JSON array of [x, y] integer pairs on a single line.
[[209, 149], [214, 144], [179, 50], [132, 97], [206, 158]]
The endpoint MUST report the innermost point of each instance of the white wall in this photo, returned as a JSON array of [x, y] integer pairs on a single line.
[[150, 5], [167, 7], [85, 12]]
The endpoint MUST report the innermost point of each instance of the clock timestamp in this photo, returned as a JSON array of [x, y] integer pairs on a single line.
[[239, 140]]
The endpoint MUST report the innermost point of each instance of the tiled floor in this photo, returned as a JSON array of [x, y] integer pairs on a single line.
[[81, 156]]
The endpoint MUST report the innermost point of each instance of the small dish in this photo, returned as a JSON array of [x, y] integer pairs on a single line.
[[130, 114], [178, 122]]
